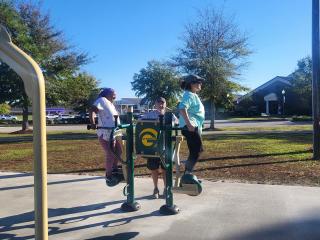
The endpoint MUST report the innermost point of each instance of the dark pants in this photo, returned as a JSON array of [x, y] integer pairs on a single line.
[[194, 143]]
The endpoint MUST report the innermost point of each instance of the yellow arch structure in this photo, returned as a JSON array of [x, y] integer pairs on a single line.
[[32, 77]]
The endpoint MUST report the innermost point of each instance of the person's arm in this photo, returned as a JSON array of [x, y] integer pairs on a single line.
[[92, 115], [175, 120], [184, 114]]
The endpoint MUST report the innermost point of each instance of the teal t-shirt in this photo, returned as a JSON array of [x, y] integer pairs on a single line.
[[195, 109]]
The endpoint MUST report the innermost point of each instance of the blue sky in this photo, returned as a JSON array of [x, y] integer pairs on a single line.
[[123, 35]]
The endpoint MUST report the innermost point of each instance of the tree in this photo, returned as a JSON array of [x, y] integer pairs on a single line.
[[32, 31], [215, 49], [157, 80], [79, 91], [5, 108], [302, 85]]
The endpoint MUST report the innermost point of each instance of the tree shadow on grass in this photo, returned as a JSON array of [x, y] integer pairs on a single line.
[[222, 158], [253, 156], [252, 164], [50, 137], [295, 136]]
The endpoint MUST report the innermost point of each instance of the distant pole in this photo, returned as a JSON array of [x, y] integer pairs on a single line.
[[315, 79], [283, 101]]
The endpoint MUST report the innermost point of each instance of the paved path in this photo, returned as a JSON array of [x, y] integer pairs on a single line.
[[244, 123], [82, 207], [219, 124]]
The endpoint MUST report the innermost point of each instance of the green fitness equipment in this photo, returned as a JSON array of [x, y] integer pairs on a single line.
[[128, 166], [154, 138], [130, 205]]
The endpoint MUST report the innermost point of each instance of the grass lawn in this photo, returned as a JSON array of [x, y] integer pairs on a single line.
[[275, 158], [273, 118], [286, 128]]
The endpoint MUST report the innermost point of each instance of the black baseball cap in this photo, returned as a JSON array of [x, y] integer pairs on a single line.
[[192, 78]]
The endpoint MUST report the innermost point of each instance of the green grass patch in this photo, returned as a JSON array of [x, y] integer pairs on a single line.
[[274, 158], [16, 153], [301, 118], [256, 119], [273, 128]]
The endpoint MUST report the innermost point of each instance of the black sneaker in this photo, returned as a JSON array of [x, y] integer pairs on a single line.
[[164, 195], [117, 170], [111, 181], [188, 178]]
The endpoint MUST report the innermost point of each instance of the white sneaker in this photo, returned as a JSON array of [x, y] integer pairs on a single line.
[[155, 194]]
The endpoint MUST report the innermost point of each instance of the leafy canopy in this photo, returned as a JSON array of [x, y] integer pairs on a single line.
[[215, 49], [33, 32], [5, 108], [157, 80], [302, 85]]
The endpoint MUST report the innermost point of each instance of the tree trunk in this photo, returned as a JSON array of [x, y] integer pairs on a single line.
[[212, 114], [25, 113]]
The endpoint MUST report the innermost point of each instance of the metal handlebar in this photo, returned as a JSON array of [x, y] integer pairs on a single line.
[[90, 127], [121, 126]]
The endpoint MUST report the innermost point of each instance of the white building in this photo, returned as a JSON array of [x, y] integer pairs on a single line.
[[123, 104]]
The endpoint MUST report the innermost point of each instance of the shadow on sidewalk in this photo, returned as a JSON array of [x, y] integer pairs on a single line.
[[14, 223], [51, 183], [303, 228]]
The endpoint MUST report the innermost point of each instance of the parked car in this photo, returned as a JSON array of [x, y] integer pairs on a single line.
[[65, 118], [82, 118], [6, 117], [137, 113], [51, 118]]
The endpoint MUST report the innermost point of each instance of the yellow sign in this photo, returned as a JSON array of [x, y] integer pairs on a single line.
[[148, 137]]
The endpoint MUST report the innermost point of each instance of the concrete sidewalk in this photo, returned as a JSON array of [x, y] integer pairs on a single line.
[[82, 207]]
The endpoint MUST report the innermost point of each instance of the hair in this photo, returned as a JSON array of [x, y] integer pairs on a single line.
[[187, 80], [185, 85], [106, 92], [160, 99]]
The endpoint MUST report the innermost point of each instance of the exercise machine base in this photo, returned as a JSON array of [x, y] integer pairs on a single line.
[[188, 184], [130, 207], [119, 178], [169, 210], [189, 189]]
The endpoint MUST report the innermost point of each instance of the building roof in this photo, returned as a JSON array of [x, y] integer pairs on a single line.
[[285, 80], [128, 101]]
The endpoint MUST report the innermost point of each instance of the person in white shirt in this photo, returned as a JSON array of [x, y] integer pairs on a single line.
[[106, 110]]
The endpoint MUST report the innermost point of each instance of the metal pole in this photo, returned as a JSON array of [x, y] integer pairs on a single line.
[[169, 208], [315, 78], [130, 197], [283, 102], [34, 84], [130, 205], [168, 141]]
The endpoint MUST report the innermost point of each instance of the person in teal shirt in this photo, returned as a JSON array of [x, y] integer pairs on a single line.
[[191, 118]]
